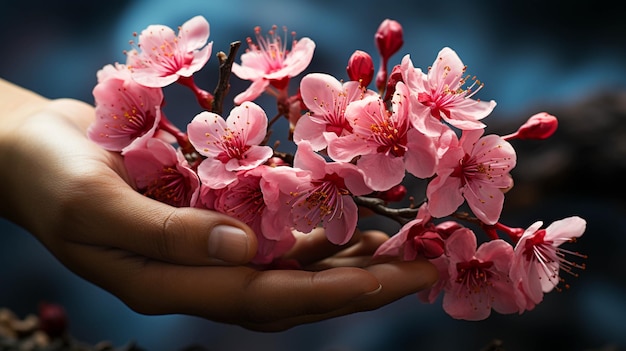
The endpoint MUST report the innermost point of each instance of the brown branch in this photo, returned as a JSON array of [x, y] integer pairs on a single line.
[[223, 84], [400, 215]]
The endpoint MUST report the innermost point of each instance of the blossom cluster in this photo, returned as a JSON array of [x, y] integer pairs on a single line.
[[357, 140]]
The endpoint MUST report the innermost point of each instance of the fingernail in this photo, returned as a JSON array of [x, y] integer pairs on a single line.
[[367, 295], [375, 291], [228, 244]]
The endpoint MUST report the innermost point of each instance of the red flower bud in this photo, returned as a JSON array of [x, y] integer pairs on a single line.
[[429, 245], [539, 126], [389, 38], [394, 78], [395, 194], [361, 68]]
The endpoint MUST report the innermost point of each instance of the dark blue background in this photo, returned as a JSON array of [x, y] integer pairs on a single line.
[[530, 54]]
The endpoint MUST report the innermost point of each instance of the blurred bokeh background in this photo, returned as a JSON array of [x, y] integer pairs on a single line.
[[567, 58]]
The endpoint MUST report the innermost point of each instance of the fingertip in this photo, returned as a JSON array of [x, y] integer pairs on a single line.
[[231, 244], [401, 278], [425, 273]]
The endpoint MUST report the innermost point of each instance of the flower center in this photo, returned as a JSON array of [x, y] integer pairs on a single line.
[[273, 48], [233, 147], [169, 186], [474, 274], [245, 202], [324, 201], [391, 139], [546, 254]]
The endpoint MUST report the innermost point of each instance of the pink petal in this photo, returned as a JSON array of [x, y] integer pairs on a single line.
[[296, 61], [309, 130], [194, 33], [567, 228], [213, 174], [254, 91], [255, 156], [306, 158], [252, 66], [486, 202], [347, 147], [381, 171], [444, 196], [352, 177], [203, 130], [150, 78], [413, 77], [200, 58], [461, 246], [447, 70], [250, 120], [461, 305], [154, 36], [319, 93], [421, 159], [467, 112], [340, 228]]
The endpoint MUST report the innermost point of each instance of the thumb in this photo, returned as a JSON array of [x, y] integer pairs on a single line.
[[133, 222]]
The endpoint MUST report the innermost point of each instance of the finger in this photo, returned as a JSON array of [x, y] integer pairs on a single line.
[[314, 246], [398, 279], [357, 255], [333, 262], [368, 243], [230, 294]]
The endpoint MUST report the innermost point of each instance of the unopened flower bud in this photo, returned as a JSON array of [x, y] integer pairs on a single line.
[[395, 194], [394, 78], [429, 245], [389, 38], [538, 127], [361, 68]]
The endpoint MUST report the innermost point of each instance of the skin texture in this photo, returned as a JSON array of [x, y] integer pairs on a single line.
[[74, 197]]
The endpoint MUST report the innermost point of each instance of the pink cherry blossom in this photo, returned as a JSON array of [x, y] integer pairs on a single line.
[[252, 199], [326, 98], [478, 279], [326, 199], [126, 112], [164, 56], [442, 94], [538, 258], [229, 145], [161, 172], [386, 143], [269, 62], [477, 170]]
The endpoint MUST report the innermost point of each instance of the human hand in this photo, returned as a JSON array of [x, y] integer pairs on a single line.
[[75, 198]]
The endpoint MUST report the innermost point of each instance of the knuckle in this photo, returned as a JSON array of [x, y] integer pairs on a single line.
[[166, 242]]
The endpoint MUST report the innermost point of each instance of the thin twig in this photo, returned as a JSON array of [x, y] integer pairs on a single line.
[[223, 84], [400, 215]]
